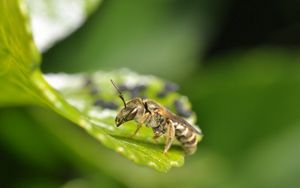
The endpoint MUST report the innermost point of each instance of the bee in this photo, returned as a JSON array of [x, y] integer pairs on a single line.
[[161, 120]]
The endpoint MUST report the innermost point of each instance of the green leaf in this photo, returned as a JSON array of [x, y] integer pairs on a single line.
[[23, 83], [19, 57], [83, 91], [53, 20]]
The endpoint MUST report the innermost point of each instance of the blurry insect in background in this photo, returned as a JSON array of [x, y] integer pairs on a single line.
[[161, 120]]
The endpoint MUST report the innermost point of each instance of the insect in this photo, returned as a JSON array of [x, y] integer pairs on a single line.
[[161, 120]]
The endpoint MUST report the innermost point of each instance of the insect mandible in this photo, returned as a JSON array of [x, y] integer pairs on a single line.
[[161, 120]]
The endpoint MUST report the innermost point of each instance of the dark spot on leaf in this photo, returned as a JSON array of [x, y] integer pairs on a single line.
[[168, 87], [123, 87], [94, 90], [105, 104], [88, 82], [136, 91], [171, 87], [162, 94], [181, 110]]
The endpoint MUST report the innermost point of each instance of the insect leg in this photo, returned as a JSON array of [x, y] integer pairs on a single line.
[[140, 123], [156, 135], [169, 137]]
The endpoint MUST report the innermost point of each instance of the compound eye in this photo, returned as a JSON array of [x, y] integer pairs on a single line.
[[131, 114]]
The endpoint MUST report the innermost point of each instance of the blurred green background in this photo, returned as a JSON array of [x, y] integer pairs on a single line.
[[237, 61]]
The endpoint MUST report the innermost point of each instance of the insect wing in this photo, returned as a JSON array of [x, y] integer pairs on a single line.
[[170, 115]]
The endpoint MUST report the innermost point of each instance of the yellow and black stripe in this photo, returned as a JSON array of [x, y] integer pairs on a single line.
[[187, 137]]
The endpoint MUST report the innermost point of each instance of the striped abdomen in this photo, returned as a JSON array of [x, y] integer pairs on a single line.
[[187, 137]]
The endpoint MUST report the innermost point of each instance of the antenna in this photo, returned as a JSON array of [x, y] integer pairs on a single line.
[[120, 93]]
